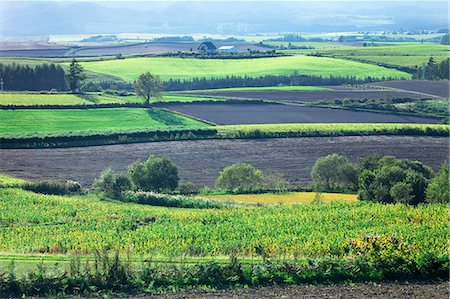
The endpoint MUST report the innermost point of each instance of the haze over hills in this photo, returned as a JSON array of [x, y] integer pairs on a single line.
[[28, 18]]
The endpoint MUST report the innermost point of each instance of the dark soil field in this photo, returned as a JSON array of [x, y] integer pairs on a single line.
[[357, 291], [34, 53], [314, 96], [260, 113], [201, 161], [437, 88]]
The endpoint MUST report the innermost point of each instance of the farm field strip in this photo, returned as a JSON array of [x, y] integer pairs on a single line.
[[40, 123], [313, 96], [266, 113], [286, 198], [36, 99], [439, 88], [200, 161], [266, 88], [187, 68], [55, 224]]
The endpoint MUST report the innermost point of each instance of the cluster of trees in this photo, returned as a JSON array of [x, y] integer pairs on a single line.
[[433, 70], [34, 78], [382, 179], [158, 174], [268, 80]]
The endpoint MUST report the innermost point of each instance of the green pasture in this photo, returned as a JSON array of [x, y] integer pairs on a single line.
[[188, 68], [35, 99], [39, 123], [341, 129], [409, 61]]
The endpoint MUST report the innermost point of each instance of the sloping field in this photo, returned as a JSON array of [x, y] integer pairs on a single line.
[[186, 68], [201, 161], [247, 113], [311, 96], [439, 88], [39, 123]]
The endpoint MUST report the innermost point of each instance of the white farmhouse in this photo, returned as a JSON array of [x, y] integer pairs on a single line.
[[227, 49]]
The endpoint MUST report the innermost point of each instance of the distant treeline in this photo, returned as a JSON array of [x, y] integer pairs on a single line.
[[267, 80], [433, 71], [39, 77]]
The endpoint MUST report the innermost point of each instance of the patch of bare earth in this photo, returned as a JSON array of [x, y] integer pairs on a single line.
[[201, 161], [357, 291]]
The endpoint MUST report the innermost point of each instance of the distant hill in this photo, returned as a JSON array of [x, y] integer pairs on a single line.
[[184, 17]]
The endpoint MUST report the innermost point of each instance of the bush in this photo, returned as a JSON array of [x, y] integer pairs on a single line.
[[388, 180], [156, 174], [240, 177], [112, 184], [334, 173], [53, 187], [187, 188], [438, 189]]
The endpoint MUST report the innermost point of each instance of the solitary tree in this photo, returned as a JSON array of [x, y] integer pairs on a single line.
[[156, 174], [147, 86], [334, 173], [75, 75], [240, 177]]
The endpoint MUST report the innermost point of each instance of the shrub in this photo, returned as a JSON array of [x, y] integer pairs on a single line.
[[187, 188], [387, 179], [156, 174], [334, 173], [112, 184], [53, 187], [438, 189], [240, 177]]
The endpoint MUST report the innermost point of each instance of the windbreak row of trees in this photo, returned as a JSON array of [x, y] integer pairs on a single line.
[[433, 70], [267, 80], [34, 78]]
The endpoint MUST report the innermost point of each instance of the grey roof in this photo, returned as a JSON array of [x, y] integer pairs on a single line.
[[209, 45]]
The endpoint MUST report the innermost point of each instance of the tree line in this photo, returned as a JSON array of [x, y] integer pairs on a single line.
[[34, 78], [433, 70], [267, 80]]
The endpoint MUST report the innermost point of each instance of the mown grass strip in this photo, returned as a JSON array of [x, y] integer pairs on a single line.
[[286, 198], [120, 136]]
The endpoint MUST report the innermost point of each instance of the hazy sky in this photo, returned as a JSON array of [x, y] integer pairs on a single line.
[[40, 17]]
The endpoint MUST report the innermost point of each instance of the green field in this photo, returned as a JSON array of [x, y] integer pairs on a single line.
[[408, 54], [33, 223], [409, 61], [187, 68], [25, 123], [289, 130], [33, 99]]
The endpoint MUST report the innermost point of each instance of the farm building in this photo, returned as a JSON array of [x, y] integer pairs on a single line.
[[207, 47], [227, 49]]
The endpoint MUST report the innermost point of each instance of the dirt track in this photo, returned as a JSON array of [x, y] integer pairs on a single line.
[[201, 161], [367, 290], [262, 113]]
